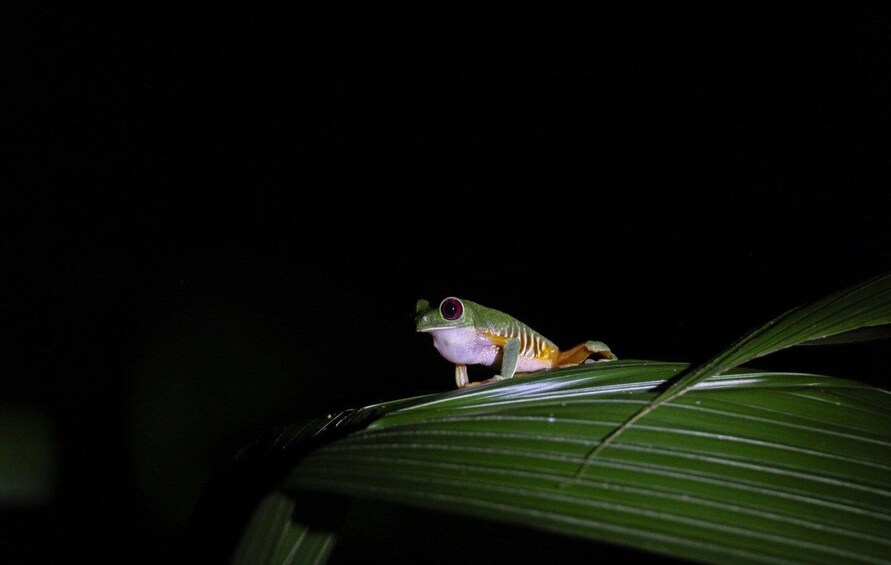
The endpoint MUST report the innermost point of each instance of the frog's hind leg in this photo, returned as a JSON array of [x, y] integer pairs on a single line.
[[582, 351]]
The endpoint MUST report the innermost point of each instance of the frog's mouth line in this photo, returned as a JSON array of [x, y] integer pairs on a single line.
[[425, 330]]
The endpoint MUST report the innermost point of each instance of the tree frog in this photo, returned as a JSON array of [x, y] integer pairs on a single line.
[[467, 333]]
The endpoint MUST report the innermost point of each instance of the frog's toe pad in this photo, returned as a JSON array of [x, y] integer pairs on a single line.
[[600, 348]]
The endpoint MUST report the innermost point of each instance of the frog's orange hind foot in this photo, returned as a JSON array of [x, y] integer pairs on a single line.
[[582, 351]]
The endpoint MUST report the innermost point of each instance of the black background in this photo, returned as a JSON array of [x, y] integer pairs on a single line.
[[219, 220]]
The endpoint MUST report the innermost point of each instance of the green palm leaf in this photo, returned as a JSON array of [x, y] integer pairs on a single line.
[[739, 465], [845, 313], [274, 536]]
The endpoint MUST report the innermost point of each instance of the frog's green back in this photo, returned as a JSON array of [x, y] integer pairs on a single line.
[[498, 323]]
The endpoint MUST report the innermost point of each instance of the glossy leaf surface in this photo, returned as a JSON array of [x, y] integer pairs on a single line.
[[749, 465]]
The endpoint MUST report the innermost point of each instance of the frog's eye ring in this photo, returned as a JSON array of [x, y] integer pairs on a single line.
[[451, 309]]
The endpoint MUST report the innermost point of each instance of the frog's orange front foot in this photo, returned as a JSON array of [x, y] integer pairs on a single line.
[[582, 351], [476, 383], [462, 379]]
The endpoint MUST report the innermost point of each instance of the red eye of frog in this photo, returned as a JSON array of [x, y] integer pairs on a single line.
[[451, 308]]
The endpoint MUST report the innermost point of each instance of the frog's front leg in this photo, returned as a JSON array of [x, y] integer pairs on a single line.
[[461, 378], [510, 355]]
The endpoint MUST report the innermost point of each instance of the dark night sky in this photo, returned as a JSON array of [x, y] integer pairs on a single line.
[[220, 221]]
